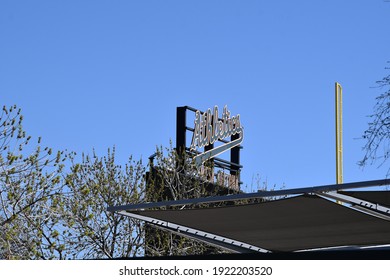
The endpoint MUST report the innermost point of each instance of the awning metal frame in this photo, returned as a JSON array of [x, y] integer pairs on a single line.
[[360, 205], [326, 191], [260, 194], [212, 239]]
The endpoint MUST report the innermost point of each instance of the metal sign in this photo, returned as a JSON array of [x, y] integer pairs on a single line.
[[209, 128]]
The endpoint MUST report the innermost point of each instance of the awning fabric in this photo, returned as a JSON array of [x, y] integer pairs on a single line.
[[298, 223], [380, 197]]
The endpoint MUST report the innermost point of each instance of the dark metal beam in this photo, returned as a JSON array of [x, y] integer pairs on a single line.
[[261, 194], [181, 129], [212, 239]]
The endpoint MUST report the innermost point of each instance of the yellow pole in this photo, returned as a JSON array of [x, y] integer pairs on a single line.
[[339, 133]]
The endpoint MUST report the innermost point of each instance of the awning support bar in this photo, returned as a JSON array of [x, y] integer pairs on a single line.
[[212, 239], [260, 194]]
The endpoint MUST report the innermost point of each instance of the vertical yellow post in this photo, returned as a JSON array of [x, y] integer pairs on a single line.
[[339, 133]]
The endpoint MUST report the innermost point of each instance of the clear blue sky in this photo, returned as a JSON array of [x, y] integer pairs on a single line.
[[94, 74]]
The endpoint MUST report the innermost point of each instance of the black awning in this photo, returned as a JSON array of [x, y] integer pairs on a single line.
[[298, 223], [380, 197]]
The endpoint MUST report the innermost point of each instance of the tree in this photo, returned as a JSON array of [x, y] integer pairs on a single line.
[[54, 207], [29, 180], [377, 136], [89, 230], [174, 176]]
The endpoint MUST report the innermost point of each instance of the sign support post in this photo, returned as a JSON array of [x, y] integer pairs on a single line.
[[339, 132]]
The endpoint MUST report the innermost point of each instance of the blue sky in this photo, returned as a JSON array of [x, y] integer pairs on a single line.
[[94, 74]]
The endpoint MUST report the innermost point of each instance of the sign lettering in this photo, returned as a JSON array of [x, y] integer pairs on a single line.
[[209, 128]]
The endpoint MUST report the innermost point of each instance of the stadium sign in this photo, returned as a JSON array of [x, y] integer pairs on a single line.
[[209, 128]]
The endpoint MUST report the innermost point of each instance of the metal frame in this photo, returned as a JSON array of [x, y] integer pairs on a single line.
[[212, 153], [373, 209], [260, 194], [344, 248], [233, 166], [212, 239], [326, 191]]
